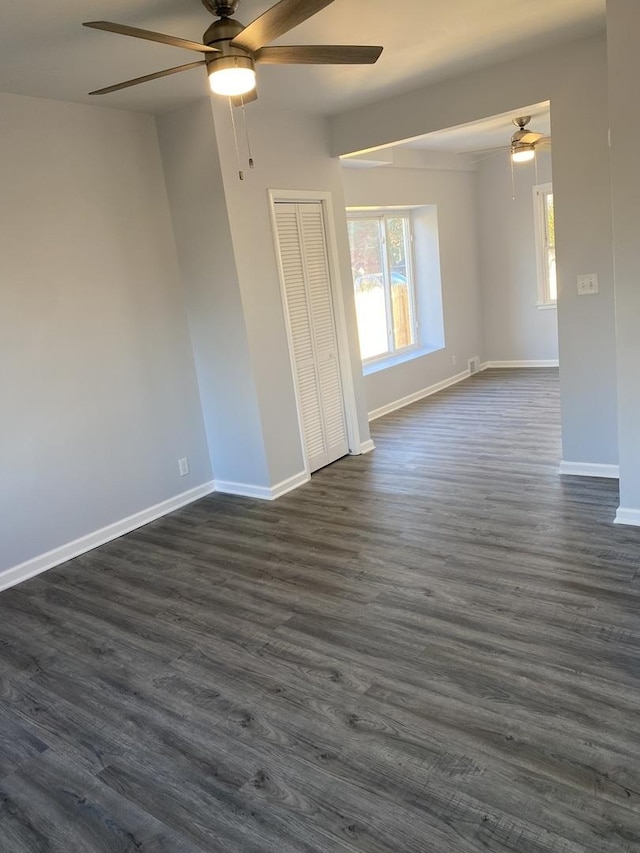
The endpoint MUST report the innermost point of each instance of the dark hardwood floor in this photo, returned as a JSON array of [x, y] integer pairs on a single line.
[[434, 648]]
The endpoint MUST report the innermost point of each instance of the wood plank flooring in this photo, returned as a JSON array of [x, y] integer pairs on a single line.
[[434, 648]]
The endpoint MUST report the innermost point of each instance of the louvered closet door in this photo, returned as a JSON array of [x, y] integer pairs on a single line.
[[305, 270]]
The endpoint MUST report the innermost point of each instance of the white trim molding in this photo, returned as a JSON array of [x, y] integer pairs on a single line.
[[367, 447], [37, 565], [263, 493], [627, 516], [549, 362], [540, 193], [418, 395], [589, 469]]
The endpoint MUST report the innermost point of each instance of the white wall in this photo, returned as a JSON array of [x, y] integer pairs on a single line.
[[623, 21], [515, 329], [574, 78], [97, 382], [582, 200], [454, 195]]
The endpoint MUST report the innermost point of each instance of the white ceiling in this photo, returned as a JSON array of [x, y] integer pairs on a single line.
[[45, 52], [486, 134], [461, 147]]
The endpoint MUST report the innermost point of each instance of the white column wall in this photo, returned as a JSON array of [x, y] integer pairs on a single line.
[[216, 316], [290, 153], [623, 26]]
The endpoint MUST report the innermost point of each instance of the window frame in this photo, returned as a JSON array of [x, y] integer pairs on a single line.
[[542, 247], [382, 214]]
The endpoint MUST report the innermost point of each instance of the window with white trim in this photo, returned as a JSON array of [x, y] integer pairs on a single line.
[[545, 245], [383, 281]]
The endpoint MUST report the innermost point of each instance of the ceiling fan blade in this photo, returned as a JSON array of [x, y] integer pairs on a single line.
[[243, 100], [276, 21], [147, 77], [319, 54], [174, 41], [543, 144], [487, 153], [531, 137]]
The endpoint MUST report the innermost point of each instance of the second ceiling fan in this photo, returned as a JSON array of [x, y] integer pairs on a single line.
[[525, 142], [231, 50]]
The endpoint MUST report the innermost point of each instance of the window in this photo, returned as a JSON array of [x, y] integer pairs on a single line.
[[545, 245], [383, 283]]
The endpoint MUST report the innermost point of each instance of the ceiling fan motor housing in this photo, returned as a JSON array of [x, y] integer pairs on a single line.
[[521, 122], [221, 32], [220, 35], [221, 8], [219, 63]]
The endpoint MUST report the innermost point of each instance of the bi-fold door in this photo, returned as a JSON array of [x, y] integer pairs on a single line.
[[306, 280]]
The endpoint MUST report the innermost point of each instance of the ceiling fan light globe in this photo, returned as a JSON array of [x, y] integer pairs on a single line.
[[232, 81], [522, 152], [231, 75]]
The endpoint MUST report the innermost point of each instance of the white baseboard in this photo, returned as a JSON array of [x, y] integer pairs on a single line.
[[589, 469], [552, 362], [289, 484], [627, 516], [35, 566], [367, 446], [418, 395], [263, 493]]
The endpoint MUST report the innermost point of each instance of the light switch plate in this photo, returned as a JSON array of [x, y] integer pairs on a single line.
[[587, 284]]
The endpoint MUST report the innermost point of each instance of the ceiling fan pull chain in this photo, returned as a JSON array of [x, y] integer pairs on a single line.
[[235, 140], [246, 133], [513, 181]]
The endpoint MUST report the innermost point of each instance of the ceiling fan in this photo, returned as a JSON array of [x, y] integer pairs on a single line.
[[231, 50], [525, 142]]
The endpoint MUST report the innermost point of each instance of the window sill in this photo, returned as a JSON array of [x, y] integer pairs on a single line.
[[399, 358], [545, 306]]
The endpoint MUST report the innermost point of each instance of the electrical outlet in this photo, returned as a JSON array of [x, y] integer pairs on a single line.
[[183, 466], [587, 284], [454, 360], [474, 364]]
